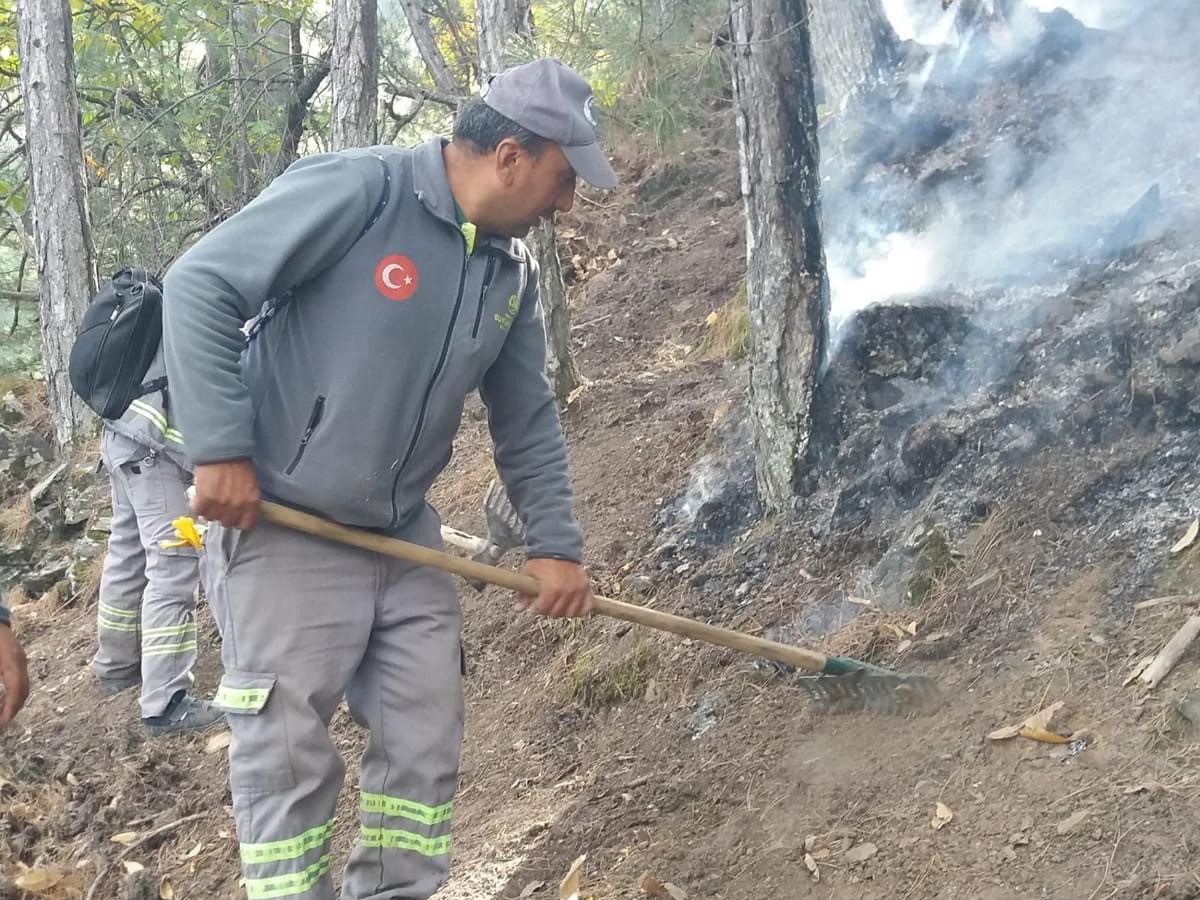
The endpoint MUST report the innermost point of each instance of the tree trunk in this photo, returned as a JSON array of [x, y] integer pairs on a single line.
[[355, 73], [423, 36], [787, 288], [560, 362], [852, 41], [495, 22], [58, 196]]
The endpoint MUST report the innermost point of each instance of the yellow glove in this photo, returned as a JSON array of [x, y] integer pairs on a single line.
[[188, 534]]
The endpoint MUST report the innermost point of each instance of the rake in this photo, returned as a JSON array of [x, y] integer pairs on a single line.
[[840, 684]]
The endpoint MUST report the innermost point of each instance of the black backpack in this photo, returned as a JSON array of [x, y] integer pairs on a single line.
[[117, 340]]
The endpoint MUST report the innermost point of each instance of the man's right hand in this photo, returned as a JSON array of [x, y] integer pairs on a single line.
[[227, 492]]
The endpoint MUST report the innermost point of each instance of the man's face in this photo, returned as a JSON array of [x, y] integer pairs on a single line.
[[532, 188]]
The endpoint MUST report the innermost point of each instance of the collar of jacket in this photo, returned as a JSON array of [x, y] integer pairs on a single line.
[[433, 192]]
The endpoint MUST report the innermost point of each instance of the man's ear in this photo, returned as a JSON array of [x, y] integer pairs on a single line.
[[509, 154]]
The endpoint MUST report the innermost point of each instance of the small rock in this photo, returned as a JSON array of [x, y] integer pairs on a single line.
[[1074, 822], [742, 590], [1189, 708], [1184, 352], [861, 853], [11, 410], [43, 579]]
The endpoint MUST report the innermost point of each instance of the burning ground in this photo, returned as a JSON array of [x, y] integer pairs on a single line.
[[1002, 459]]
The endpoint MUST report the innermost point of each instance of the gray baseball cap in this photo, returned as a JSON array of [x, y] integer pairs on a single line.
[[554, 102]]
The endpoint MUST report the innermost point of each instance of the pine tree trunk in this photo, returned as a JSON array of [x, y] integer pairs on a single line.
[[58, 195], [355, 73], [431, 54], [787, 288], [852, 42], [560, 362], [500, 19], [495, 22]]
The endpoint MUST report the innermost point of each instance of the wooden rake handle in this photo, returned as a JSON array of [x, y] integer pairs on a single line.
[[808, 660]]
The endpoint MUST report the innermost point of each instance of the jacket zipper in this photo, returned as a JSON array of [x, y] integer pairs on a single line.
[[488, 274], [314, 420], [437, 370]]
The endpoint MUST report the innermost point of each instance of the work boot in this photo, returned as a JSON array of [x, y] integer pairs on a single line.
[[110, 687], [184, 714]]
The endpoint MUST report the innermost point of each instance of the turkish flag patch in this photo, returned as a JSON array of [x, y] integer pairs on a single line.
[[396, 277]]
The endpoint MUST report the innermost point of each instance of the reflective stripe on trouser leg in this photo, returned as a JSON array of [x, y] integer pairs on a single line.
[[122, 581], [159, 494], [295, 616], [408, 692]]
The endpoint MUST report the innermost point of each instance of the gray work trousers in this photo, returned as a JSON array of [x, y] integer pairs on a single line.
[[305, 622], [146, 618]]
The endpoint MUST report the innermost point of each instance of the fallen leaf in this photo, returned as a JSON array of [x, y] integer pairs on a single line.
[[861, 853], [165, 891], [532, 888], [911, 628], [71, 780], [712, 319], [1188, 538], [903, 646], [194, 852], [894, 630], [125, 837], [38, 881], [1041, 734], [218, 742], [131, 866], [809, 843], [811, 865], [571, 885], [942, 816], [1039, 719], [223, 833]]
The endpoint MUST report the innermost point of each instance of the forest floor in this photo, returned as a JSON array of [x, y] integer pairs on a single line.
[[1002, 466]]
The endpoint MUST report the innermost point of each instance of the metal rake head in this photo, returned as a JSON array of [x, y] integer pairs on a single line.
[[863, 689], [503, 524]]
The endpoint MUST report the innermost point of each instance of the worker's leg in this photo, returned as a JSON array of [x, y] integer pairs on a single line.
[[295, 616], [158, 488], [117, 662], [408, 692]]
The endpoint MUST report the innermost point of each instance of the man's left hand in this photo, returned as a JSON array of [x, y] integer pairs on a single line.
[[566, 590]]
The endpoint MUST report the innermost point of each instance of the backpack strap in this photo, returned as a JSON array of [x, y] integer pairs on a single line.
[[274, 306]]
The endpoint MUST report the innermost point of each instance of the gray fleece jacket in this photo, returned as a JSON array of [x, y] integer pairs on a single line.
[[348, 395]]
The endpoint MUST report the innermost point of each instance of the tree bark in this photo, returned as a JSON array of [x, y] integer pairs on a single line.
[[852, 42], [495, 22], [355, 73], [423, 36], [786, 286], [58, 195]]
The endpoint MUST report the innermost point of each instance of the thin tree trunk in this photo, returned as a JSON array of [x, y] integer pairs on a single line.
[[787, 287], [852, 42], [561, 369], [423, 36], [355, 74], [495, 22], [58, 193]]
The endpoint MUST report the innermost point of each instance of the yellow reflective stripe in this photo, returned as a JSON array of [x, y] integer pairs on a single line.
[[288, 848], [241, 698], [398, 839], [118, 626], [120, 613], [406, 809], [168, 630], [287, 885], [468, 233], [157, 419], [168, 649]]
